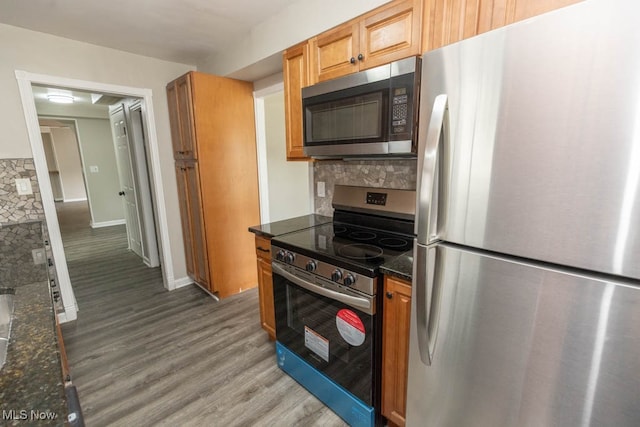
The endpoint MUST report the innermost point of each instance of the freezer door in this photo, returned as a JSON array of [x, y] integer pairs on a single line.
[[543, 126], [515, 344]]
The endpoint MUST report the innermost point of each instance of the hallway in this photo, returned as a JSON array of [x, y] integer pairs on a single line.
[[140, 355]]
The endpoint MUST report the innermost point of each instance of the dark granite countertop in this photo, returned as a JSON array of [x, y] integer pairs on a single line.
[[31, 385], [31, 388], [401, 266], [278, 228]]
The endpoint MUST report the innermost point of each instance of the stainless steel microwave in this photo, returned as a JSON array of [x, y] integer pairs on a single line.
[[366, 114]]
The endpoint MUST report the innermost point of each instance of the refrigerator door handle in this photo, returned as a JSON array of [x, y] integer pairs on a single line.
[[432, 183], [427, 294]]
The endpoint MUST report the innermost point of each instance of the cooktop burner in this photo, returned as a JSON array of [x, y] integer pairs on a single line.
[[347, 245]]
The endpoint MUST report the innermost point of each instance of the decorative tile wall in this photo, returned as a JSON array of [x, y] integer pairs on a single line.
[[26, 211], [369, 173], [13, 207]]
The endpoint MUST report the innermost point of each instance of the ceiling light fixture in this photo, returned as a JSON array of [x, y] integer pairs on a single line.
[[60, 98]]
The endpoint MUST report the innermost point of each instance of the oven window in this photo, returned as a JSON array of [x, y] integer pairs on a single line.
[[316, 329], [356, 118]]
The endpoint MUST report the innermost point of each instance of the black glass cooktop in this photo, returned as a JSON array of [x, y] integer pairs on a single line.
[[346, 245]]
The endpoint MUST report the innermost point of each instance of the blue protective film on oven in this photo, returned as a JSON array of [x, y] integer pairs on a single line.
[[344, 404]]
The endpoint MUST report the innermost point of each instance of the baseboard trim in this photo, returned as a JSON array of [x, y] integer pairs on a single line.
[[108, 223], [181, 283], [75, 200]]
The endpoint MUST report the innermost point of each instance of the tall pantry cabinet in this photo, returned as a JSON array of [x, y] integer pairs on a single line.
[[214, 144]]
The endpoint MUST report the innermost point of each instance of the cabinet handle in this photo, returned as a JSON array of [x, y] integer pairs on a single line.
[[262, 249], [360, 57], [389, 295], [352, 60]]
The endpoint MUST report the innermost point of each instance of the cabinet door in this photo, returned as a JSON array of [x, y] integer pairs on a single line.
[[334, 53], [390, 33], [395, 348], [265, 287], [295, 66], [174, 120], [449, 21], [186, 126], [192, 222], [517, 10]]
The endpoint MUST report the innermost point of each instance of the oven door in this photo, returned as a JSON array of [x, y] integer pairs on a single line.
[[332, 329]]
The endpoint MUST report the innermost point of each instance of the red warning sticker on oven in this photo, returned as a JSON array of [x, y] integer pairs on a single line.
[[350, 327]]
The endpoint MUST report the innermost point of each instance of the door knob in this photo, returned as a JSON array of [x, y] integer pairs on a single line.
[[352, 60], [121, 193], [360, 57]]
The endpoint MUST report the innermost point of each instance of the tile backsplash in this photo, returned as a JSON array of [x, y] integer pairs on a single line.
[[13, 207], [399, 174], [22, 227]]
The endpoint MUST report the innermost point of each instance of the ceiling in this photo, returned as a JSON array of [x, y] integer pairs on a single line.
[[184, 31]]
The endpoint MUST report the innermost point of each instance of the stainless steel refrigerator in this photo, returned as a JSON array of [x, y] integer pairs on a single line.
[[526, 292]]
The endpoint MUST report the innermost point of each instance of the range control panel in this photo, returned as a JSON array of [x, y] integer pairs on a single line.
[[379, 199]]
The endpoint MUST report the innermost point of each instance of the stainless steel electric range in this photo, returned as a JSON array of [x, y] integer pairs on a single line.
[[327, 287]]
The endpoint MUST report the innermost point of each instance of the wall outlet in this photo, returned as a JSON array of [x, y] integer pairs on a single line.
[[38, 256], [23, 185], [320, 189]]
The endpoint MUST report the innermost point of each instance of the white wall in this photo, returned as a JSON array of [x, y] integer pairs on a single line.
[[97, 150], [297, 22], [288, 181], [65, 145], [41, 53]]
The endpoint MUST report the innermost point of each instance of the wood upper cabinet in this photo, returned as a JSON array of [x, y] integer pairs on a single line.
[[449, 21], [395, 348], [218, 184], [183, 133], [386, 34], [265, 286], [295, 67]]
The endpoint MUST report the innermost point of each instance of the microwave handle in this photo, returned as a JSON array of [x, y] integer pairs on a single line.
[[361, 303]]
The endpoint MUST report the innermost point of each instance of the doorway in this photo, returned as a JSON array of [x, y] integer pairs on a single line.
[[25, 82], [286, 188]]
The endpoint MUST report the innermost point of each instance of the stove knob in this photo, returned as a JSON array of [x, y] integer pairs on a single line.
[[280, 255], [311, 265], [336, 275], [349, 280], [289, 258]]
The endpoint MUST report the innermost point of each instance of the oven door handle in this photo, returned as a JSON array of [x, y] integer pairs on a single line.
[[358, 302]]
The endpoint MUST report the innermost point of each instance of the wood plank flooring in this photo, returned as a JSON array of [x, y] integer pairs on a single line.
[[141, 356]]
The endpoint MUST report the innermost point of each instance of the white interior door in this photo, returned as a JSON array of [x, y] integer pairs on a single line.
[[127, 183]]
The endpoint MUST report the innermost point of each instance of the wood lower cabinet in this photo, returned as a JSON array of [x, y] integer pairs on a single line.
[[265, 286], [449, 21], [218, 183], [295, 68], [395, 348], [193, 231], [386, 34]]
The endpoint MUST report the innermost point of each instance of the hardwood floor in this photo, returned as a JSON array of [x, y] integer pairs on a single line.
[[140, 355]]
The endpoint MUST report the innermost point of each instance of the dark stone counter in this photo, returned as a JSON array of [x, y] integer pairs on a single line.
[[31, 384], [278, 228], [401, 266], [31, 388]]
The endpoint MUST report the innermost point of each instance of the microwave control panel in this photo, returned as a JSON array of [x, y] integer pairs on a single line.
[[400, 110]]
